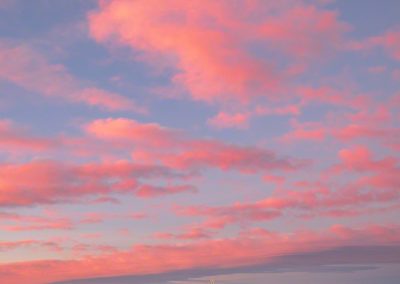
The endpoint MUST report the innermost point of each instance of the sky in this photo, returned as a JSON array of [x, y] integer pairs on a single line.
[[245, 141]]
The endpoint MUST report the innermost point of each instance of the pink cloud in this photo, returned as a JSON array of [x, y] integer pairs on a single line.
[[388, 135], [396, 75], [5, 246], [203, 192], [15, 138], [226, 120], [13, 222], [39, 224], [162, 152], [12, 245], [376, 122], [147, 191], [360, 159], [308, 131], [203, 154], [46, 181], [375, 190], [288, 109], [332, 96], [128, 131], [203, 53], [303, 31], [379, 115], [274, 179], [249, 249], [6, 4], [377, 69], [194, 233], [389, 41], [108, 100], [29, 69], [155, 143]]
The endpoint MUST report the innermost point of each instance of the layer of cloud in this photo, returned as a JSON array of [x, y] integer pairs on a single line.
[[251, 250]]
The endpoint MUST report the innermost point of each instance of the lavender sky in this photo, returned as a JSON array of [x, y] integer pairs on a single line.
[[152, 141]]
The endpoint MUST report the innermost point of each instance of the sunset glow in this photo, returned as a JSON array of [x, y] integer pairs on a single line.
[[178, 141]]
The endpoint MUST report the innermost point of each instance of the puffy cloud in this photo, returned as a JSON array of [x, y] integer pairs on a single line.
[[359, 158], [209, 42]]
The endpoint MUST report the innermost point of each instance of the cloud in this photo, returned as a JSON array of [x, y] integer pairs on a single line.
[[5, 246], [332, 96], [193, 233], [376, 190], [387, 134], [147, 191], [308, 131], [50, 181], [372, 122], [249, 251], [154, 143], [209, 43], [27, 68], [389, 41], [14, 138], [226, 120], [337, 260], [130, 131], [31, 223], [156, 152], [359, 158]]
